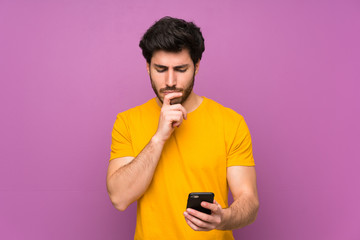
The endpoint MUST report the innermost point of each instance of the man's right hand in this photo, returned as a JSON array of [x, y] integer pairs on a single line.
[[128, 177], [171, 116]]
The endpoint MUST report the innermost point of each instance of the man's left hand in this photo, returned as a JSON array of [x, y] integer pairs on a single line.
[[204, 222]]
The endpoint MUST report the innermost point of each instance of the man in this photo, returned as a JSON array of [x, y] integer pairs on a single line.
[[180, 142]]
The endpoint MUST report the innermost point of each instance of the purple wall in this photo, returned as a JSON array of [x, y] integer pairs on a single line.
[[68, 67]]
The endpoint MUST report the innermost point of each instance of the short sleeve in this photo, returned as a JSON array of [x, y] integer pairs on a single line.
[[239, 145], [121, 145]]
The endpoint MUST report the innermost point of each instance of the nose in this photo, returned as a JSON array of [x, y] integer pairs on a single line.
[[171, 78]]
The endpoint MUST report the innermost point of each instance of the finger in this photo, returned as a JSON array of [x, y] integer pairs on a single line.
[[175, 117], [170, 96], [193, 226], [179, 107], [175, 101], [200, 215], [215, 202], [196, 223], [176, 124], [212, 206], [219, 208]]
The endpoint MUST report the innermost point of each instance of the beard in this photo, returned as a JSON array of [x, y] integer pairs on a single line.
[[185, 91]]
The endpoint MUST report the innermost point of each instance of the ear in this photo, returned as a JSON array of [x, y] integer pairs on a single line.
[[148, 67], [197, 67]]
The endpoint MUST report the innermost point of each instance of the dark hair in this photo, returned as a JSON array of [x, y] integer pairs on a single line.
[[173, 35]]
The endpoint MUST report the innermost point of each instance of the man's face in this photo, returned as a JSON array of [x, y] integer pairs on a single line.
[[172, 72]]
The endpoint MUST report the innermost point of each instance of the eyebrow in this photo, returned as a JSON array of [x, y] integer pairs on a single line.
[[160, 66], [181, 66]]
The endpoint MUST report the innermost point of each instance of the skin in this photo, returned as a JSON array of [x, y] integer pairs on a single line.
[[129, 177], [242, 212], [174, 70]]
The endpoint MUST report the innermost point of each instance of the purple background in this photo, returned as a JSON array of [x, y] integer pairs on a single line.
[[291, 68]]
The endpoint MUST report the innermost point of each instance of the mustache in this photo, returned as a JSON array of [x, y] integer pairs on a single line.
[[171, 89]]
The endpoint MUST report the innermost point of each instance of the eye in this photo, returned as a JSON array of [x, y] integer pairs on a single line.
[[161, 70], [182, 70]]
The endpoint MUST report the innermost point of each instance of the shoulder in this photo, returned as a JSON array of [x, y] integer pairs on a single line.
[[137, 111], [226, 113]]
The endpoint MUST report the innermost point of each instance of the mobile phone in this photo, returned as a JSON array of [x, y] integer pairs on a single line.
[[195, 199]]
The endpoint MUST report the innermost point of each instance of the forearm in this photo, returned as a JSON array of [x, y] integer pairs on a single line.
[[242, 212], [129, 182]]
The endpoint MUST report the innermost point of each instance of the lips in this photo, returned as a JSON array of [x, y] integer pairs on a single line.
[[167, 92], [164, 91]]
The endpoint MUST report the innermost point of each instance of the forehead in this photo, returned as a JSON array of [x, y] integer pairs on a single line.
[[165, 58]]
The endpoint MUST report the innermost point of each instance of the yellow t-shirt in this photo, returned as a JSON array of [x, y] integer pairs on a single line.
[[194, 159]]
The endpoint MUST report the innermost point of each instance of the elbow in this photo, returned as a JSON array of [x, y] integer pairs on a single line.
[[255, 211], [117, 199], [121, 207], [120, 197], [119, 204]]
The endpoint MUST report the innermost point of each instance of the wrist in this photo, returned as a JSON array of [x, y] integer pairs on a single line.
[[157, 140], [225, 219]]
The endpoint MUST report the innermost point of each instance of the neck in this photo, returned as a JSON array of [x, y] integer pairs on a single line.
[[191, 103]]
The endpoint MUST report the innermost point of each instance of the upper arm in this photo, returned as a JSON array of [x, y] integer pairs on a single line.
[[121, 144], [238, 143], [242, 180]]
